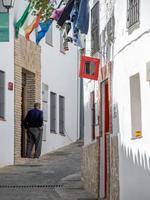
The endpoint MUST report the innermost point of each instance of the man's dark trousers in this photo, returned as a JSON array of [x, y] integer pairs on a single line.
[[34, 136]]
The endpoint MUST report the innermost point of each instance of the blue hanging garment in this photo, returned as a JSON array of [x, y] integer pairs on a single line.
[[44, 26], [83, 17], [73, 17]]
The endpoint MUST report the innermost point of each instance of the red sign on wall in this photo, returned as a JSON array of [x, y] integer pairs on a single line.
[[10, 86], [89, 67]]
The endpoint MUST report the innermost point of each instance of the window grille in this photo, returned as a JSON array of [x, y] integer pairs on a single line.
[[53, 112], [61, 114], [2, 94], [95, 28], [133, 13]]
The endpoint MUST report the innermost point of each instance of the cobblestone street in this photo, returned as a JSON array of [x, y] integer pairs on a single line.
[[55, 176]]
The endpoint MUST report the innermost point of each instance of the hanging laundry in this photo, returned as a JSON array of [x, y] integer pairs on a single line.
[[65, 35], [65, 45], [74, 16], [83, 17], [53, 1], [28, 30], [44, 26], [66, 13], [69, 39], [56, 14], [22, 20], [67, 28]]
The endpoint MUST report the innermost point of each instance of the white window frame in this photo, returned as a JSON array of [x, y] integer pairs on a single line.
[[2, 95]]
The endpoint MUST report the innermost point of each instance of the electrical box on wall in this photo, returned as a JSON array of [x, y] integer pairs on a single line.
[[148, 71]]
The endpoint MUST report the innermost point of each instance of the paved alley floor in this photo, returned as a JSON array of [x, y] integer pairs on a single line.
[[55, 176]]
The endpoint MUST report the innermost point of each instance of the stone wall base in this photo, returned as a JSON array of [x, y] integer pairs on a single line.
[[89, 168]]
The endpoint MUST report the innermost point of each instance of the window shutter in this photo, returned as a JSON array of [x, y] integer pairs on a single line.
[[133, 13], [53, 112], [2, 94], [49, 36], [61, 114], [45, 101], [95, 28], [4, 27], [110, 28], [62, 50]]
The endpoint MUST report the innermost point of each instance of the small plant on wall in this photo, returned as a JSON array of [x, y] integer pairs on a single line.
[[43, 8]]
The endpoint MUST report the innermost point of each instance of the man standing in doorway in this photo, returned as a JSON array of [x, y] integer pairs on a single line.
[[34, 124]]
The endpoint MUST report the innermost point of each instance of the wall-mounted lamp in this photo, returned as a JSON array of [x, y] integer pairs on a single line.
[[8, 4]]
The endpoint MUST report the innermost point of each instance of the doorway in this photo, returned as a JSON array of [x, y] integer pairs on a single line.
[[27, 101], [23, 112], [93, 114], [103, 140]]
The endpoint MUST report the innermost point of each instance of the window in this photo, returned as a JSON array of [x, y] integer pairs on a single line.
[[89, 68], [95, 28], [61, 114], [2, 94], [53, 112], [133, 13], [135, 93], [62, 50], [49, 36], [45, 108], [45, 101], [4, 27]]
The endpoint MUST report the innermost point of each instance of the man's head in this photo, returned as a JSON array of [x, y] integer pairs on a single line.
[[37, 105]]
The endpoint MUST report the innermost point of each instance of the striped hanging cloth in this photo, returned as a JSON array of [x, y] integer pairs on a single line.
[[22, 20], [28, 30]]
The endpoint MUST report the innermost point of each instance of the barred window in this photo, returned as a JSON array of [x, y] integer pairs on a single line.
[[133, 13], [53, 112], [2, 94], [61, 114]]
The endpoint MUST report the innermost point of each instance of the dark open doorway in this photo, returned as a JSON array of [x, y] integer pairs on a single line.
[[27, 101]]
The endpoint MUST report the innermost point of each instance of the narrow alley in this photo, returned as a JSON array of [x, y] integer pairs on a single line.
[[55, 176]]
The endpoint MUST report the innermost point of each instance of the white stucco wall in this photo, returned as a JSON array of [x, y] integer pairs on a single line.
[[90, 86], [7, 126], [60, 73], [134, 155]]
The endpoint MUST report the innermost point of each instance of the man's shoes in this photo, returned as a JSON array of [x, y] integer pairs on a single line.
[[37, 157], [29, 157]]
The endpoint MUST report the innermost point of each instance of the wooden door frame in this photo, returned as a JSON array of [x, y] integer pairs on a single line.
[[92, 97], [23, 112], [104, 128]]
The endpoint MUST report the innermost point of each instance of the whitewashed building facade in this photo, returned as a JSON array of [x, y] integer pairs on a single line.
[[44, 73], [131, 95], [124, 35]]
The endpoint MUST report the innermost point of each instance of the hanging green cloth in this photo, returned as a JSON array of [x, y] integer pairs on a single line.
[[21, 21]]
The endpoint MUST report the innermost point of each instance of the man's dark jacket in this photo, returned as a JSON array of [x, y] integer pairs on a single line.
[[34, 118]]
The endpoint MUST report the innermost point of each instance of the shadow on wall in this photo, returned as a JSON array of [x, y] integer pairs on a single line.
[[134, 175]]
